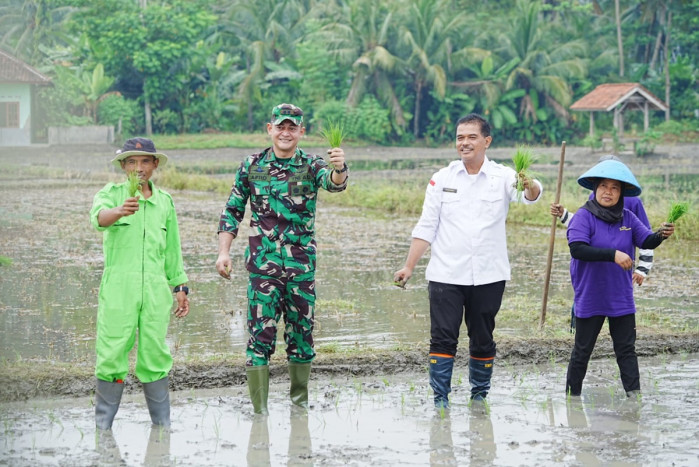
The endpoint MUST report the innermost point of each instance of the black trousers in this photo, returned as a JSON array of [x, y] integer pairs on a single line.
[[623, 332], [477, 305]]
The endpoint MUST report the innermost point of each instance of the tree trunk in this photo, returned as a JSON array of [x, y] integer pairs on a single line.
[[146, 106], [656, 49], [251, 123], [416, 117], [149, 119], [618, 38], [667, 66]]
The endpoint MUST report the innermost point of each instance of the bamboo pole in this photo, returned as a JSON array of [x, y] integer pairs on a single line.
[[552, 238]]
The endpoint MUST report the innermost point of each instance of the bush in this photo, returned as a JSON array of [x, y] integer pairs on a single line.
[[115, 108]]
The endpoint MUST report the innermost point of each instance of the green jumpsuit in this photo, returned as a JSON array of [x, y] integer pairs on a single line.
[[142, 260]]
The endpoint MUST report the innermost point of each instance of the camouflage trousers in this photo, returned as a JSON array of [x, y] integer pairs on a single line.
[[270, 298]]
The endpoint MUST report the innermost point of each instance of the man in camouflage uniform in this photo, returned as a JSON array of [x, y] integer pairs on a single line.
[[282, 184]]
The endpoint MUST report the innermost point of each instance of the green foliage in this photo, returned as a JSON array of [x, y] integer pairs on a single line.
[[646, 145], [677, 210], [133, 183], [166, 121], [594, 142], [369, 122], [333, 133], [5, 261], [522, 160], [115, 108], [413, 66]]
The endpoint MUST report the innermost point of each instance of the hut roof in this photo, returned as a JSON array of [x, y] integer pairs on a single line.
[[14, 70], [606, 97]]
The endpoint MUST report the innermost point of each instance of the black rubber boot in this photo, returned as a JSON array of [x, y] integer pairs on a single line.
[[480, 371], [440, 379], [158, 400], [107, 400]]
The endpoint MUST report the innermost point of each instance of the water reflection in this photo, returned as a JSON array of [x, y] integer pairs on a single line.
[[300, 448], [107, 449], [604, 412], [258, 442], [483, 448], [158, 449], [441, 443]]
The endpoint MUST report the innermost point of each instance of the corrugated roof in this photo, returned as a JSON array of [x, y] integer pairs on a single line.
[[14, 70], [606, 97]]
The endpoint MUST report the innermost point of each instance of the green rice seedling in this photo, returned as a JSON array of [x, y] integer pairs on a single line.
[[334, 133], [677, 210], [134, 183], [522, 160], [5, 261]]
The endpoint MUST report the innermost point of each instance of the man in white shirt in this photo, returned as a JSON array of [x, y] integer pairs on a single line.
[[463, 221]]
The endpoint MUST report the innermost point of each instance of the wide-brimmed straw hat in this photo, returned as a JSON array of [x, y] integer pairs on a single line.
[[614, 170], [138, 147]]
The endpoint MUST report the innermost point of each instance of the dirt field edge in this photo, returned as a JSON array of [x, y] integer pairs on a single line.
[[28, 379]]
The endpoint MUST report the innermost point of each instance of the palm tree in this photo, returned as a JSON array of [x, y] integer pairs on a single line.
[[544, 64], [429, 31], [488, 83], [26, 24], [360, 37], [268, 31]]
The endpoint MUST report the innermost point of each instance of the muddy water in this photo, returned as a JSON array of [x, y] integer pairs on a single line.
[[47, 306], [384, 421], [48, 295]]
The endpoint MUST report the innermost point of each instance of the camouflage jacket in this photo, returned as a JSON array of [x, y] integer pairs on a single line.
[[283, 198]]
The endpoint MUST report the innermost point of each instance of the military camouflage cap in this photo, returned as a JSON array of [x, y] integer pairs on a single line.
[[287, 112]]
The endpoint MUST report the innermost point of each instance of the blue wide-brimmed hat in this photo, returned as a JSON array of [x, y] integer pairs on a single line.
[[615, 170]]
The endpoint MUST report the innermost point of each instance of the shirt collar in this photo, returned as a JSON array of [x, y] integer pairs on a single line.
[[486, 167], [296, 159]]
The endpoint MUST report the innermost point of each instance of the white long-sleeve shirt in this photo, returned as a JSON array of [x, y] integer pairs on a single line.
[[463, 219]]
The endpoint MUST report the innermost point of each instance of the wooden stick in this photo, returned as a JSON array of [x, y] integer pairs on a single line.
[[552, 238]]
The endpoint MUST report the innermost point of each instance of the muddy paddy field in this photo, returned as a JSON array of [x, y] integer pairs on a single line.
[[370, 397]]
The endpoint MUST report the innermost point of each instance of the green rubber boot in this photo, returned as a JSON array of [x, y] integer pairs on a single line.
[[299, 373], [258, 385]]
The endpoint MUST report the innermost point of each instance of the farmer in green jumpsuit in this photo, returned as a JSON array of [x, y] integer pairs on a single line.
[[142, 261], [282, 184]]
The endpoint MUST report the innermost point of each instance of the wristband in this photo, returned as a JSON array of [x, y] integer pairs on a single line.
[[181, 288], [344, 169]]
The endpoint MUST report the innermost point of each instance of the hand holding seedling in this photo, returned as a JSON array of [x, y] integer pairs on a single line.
[[401, 277], [224, 266], [129, 207], [666, 229], [337, 158]]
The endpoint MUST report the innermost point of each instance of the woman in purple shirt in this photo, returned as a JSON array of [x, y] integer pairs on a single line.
[[602, 237]]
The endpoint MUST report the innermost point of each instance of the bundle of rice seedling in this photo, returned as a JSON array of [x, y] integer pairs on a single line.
[[334, 133], [523, 159], [677, 210], [134, 183]]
